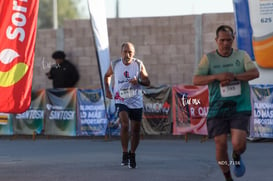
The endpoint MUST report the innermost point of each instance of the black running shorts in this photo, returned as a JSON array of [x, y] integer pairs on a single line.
[[134, 114], [218, 126]]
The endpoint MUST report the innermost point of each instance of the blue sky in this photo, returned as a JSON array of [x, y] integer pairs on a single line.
[[148, 8]]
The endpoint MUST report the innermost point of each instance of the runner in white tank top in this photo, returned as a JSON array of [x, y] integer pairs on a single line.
[[125, 92], [130, 74]]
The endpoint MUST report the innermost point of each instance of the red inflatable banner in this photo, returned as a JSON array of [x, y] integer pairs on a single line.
[[17, 34]]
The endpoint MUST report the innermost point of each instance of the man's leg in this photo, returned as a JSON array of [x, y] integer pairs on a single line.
[[124, 131], [222, 155], [238, 141], [124, 135], [135, 135]]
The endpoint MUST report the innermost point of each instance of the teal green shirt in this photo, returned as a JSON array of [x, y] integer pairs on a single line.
[[238, 62]]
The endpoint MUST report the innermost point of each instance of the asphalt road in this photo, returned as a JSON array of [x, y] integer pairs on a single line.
[[65, 159]]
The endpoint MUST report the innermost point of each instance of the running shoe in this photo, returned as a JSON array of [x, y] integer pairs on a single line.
[[125, 159], [239, 167], [132, 160]]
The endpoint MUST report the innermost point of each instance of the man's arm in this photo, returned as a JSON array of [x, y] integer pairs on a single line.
[[144, 78], [248, 75], [107, 79], [203, 79], [223, 78], [251, 71], [49, 74]]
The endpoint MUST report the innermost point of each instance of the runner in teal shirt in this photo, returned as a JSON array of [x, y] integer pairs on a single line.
[[220, 105], [226, 72]]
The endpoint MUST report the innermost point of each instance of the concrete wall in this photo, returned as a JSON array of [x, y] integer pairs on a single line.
[[169, 46]]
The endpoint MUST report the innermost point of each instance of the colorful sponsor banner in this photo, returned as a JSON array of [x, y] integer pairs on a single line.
[[261, 19], [18, 35], [261, 124], [91, 115], [157, 110], [60, 112], [254, 19], [190, 108], [32, 120], [6, 127], [4, 118]]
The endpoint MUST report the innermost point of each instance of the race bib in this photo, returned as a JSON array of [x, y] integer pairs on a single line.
[[233, 89], [128, 93]]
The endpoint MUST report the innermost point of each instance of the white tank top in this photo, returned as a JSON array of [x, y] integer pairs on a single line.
[[124, 92]]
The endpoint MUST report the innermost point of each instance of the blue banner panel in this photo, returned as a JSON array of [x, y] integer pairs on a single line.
[[114, 126], [243, 26], [261, 124], [91, 113]]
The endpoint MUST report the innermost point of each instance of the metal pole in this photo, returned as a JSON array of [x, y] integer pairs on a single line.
[[55, 14], [117, 8]]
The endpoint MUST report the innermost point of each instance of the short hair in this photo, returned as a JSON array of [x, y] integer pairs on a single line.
[[126, 44], [224, 28], [58, 55]]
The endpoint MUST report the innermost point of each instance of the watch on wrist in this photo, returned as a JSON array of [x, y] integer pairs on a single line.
[[139, 80]]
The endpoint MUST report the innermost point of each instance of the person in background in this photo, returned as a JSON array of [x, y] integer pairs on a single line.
[[227, 71], [129, 76], [63, 74]]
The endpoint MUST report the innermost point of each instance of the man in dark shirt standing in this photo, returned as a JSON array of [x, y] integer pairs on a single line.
[[64, 74]]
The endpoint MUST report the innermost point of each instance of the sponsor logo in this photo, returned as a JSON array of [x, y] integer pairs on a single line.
[[126, 74], [157, 108], [16, 73]]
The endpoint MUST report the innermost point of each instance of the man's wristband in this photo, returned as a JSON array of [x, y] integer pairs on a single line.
[[139, 80]]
